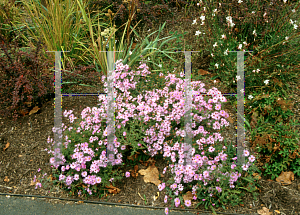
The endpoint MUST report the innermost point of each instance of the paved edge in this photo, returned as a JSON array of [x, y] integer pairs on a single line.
[[38, 206]]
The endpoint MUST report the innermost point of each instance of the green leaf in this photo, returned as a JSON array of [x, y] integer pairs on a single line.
[[214, 77]]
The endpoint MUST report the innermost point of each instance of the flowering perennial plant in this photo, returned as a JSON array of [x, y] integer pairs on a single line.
[[160, 117]]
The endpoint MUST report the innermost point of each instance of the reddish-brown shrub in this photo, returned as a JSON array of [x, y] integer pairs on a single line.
[[21, 77]]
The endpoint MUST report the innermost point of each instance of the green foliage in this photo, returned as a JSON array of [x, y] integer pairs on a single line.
[[268, 31], [279, 149]]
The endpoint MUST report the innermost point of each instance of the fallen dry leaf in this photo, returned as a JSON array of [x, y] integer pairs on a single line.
[[50, 177], [188, 196], [32, 183], [151, 161], [6, 146], [133, 173], [34, 110], [264, 211], [285, 178], [28, 104], [229, 118], [143, 163], [257, 176], [156, 197], [6, 179], [151, 174], [23, 112], [112, 189], [133, 156], [203, 72], [80, 202]]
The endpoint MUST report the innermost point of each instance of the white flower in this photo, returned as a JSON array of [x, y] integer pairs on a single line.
[[257, 70], [250, 97], [284, 1], [291, 21], [286, 38], [130, 52], [295, 26], [215, 45], [225, 53], [242, 90], [202, 18], [223, 36], [254, 32], [217, 65], [245, 43], [194, 21], [266, 81], [197, 33], [293, 10], [212, 54], [265, 14], [229, 18], [238, 77], [202, 23], [240, 1], [253, 11], [240, 46], [214, 11], [160, 65], [149, 29]]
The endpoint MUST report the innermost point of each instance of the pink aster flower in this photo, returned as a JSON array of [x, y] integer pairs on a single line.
[[177, 202], [188, 203], [166, 210]]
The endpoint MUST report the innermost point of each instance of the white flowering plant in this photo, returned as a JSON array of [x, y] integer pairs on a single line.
[[230, 28], [266, 32]]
